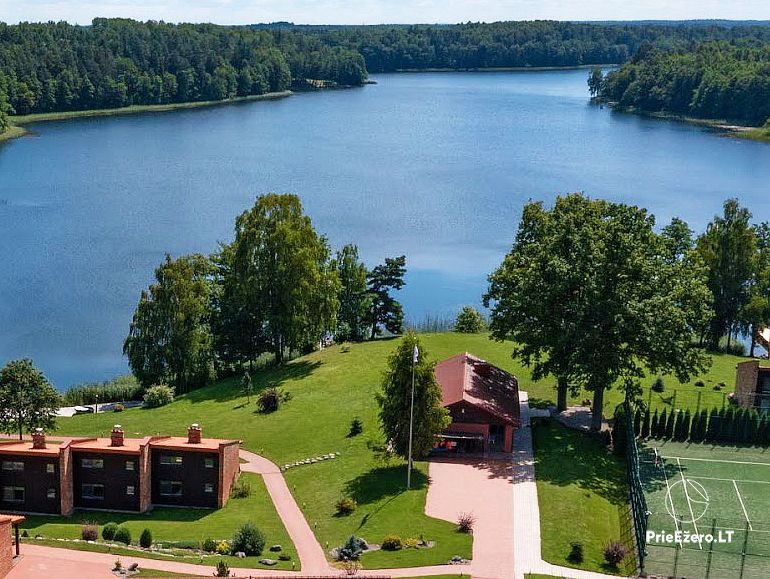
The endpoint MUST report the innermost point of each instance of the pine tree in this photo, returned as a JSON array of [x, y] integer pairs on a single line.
[[646, 425], [686, 425], [662, 422], [714, 426], [678, 425], [654, 425], [670, 422]]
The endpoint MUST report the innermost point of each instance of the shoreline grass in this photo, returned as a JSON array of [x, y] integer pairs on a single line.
[[12, 132]]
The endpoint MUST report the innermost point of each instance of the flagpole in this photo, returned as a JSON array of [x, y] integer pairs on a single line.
[[415, 353]]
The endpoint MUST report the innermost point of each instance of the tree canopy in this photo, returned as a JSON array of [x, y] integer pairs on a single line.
[[430, 417], [711, 80], [588, 293], [170, 338], [27, 399], [354, 297], [384, 309]]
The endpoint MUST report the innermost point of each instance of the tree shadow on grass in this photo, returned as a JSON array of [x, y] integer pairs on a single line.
[[564, 457], [230, 388], [382, 482]]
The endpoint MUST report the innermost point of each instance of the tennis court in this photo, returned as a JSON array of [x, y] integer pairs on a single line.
[[705, 492]]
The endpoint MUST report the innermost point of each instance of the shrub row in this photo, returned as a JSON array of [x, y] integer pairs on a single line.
[[732, 425]]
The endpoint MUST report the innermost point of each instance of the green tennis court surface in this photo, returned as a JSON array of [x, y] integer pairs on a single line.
[[705, 492]]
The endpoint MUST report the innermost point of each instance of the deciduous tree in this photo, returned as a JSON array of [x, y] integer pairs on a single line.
[[588, 294], [27, 399], [170, 338], [354, 298]]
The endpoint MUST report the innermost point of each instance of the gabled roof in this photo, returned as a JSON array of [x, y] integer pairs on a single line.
[[466, 378]]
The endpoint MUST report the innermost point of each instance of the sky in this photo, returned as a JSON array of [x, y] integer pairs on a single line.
[[379, 11]]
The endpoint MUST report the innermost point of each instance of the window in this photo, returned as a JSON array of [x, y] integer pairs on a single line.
[[209, 488], [92, 463], [171, 459], [50, 467], [130, 490], [209, 462], [13, 465], [13, 494], [92, 491], [170, 488], [129, 465], [51, 493]]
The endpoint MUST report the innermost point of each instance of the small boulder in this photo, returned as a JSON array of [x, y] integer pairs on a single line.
[[240, 555], [268, 562], [275, 548]]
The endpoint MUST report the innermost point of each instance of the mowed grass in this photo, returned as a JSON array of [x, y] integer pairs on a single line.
[[329, 388], [186, 525], [582, 496]]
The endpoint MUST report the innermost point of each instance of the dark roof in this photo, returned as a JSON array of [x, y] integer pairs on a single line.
[[470, 379]]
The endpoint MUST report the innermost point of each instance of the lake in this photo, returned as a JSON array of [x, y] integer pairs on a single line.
[[434, 166]]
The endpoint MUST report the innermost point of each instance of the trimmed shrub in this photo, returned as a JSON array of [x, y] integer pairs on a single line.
[[241, 489], [209, 545], [700, 383], [356, 427], [669, 433], [284, 557], [352, 549], [145, 539], [249, 539], [346, 506], [658, 386], [223, 569], [465, 522], [615, 552], [123, 535], [576, 554], [654, 425], [269, 400], [223, 548], [158, 395], [108, 531], [89, 532], [646, 425], [392, 543], [411, 543], [469, 321]]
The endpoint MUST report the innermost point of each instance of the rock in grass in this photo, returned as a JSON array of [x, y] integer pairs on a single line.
[[268, 562], [276, 548]]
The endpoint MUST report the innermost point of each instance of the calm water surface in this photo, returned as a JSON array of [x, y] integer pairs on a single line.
[[435, 166]]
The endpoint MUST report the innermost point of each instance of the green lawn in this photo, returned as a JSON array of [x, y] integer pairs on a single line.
[[190, 526], [329, 388], [582, 495]]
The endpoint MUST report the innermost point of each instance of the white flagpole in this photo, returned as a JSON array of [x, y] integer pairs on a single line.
[[415, 354]]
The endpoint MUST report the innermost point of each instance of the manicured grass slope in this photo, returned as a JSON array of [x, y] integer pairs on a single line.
[[188, 525], [329, 388], [582, 495]]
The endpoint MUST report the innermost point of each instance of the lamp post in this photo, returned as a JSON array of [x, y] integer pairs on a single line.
[[415, 355]]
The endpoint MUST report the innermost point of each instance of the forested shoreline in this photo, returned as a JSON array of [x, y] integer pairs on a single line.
[[114, 63], [712, 80]]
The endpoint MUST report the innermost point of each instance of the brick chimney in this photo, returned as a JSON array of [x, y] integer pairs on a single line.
[[116, 437], [194, 434], [38, 438]]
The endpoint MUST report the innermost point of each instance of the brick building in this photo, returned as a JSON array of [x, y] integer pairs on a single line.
[[482, 400], [752, 385], [117, 473]]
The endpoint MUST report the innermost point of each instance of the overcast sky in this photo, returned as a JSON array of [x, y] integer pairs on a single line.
[[379, 11]]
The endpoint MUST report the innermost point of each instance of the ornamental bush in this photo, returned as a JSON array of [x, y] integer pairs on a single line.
[[269, 400], [465, 522], [89, 532], [249, 539], [223, 569], [615, 552], [392, 543], [345, 506], [469, 321], [576, 554], [108, 531], [209, 545], [158, 395], [123, 535], [352, 549], [145, 539]]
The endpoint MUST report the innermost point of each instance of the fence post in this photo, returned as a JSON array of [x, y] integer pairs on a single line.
[[711, 548], [746, 531]]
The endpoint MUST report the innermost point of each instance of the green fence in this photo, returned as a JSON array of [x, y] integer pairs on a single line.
[[637, 500]]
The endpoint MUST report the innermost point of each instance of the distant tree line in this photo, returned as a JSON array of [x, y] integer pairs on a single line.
[[275, 290], [515, 44], [710, 80], [115, 62]]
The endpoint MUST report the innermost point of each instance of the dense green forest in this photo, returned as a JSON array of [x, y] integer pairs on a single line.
[[115, 63], [516, 44], [711, 80]]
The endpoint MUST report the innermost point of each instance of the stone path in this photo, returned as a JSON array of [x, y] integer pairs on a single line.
[[483, 488], [526, 520]]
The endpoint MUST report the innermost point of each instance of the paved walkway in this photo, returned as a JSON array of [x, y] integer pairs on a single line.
[[481, 487], [526, 520]]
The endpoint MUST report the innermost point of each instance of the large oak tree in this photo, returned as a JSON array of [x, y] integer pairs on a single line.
[[27, 399], [589, 293]]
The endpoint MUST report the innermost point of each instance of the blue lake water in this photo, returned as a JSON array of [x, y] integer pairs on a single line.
[[434, 166]]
